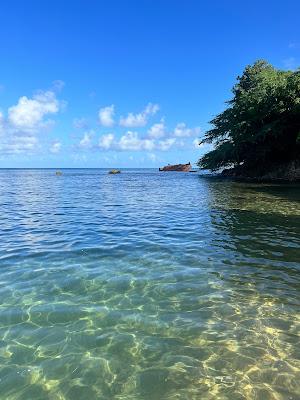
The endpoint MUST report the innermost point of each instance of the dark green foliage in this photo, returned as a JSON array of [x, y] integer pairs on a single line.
[[261, 125]]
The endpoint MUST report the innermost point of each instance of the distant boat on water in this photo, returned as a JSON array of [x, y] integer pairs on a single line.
[[177, 168]]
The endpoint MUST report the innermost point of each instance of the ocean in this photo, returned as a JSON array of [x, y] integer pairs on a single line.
[[147, 285]]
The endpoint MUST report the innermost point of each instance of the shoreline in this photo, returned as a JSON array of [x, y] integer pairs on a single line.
[[288, 172], [245, 179]]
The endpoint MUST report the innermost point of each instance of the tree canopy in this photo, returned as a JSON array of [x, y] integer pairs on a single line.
[[261, 124]]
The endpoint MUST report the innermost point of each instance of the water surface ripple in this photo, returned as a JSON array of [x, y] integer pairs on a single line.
[[147, 285]]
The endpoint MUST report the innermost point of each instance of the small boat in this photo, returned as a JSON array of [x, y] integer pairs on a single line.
[[114, 171], [177, 168], [58, 173]]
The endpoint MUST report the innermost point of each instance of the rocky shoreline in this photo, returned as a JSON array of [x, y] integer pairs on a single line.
[[286, 172]]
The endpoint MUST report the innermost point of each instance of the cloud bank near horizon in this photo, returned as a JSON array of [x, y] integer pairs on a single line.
[[28, 125]]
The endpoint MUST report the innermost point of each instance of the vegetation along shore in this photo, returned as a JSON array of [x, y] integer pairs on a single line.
[[258, 135]]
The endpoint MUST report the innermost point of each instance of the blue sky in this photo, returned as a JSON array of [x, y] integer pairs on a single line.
[[127, 83]]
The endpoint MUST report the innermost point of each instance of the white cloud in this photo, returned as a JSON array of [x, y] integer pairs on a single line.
[[56, 147], [106, 141], [28, 114], [140, 119], [131, 141], [26, 120], [157, 130], [86, 142], [181, 130], [166, 144], [132, 120], [18, 144], [106, 116], [151, 109]]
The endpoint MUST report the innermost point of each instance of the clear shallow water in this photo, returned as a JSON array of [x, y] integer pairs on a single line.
[[147, 285]]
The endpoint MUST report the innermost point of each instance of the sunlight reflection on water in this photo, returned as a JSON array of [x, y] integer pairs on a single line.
[[147, 286]]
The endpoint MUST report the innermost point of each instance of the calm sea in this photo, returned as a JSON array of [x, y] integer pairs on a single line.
[[147, 285]]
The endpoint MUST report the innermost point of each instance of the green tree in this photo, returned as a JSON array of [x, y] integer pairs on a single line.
[[261, 125]]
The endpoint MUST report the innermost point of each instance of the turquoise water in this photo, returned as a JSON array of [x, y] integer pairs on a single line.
[[147, 285]]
